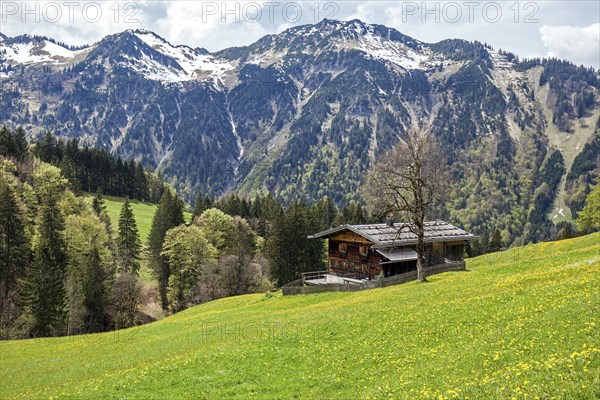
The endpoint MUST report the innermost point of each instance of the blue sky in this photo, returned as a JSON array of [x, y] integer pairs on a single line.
[[564, 29]]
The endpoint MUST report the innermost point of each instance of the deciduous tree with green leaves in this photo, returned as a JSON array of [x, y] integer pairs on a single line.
[[589, 218], [169, 214], [89, 273], [186, 251]]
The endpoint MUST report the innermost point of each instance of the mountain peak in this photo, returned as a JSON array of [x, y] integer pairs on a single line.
[[154, 57], [376, 41]]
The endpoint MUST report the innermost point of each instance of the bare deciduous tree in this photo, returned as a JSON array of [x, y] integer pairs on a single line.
[[127, 292], [407, 181]]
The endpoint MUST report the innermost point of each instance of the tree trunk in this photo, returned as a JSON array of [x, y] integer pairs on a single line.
[[420, 255]]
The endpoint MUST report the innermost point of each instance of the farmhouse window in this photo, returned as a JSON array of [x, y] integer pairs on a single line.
[[364, 250]]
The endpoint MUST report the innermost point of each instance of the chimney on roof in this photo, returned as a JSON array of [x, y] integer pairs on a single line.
[[389, 221]]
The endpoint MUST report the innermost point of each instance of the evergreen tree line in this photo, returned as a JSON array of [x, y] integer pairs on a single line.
[[63, 270], [91, 169], [265, 207]]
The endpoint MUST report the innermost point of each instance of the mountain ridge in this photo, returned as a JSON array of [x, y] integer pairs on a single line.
[[304, 113]]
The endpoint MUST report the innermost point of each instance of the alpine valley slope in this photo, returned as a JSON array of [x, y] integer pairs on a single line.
[[518, 324], [304, 113]]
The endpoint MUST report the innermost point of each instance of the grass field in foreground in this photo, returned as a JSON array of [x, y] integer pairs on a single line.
[[142, 212], [518, 324]]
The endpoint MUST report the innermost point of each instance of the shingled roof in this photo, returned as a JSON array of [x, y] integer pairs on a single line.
[[384, 235]]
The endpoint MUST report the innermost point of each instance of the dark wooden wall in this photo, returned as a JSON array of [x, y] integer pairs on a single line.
[[352, 261]]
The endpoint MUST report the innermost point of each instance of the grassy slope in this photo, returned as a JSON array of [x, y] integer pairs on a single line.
[[518, 322], [143, 213]]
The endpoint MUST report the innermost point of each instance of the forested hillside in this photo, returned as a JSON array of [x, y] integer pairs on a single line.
[[303, 114], [68, 268]]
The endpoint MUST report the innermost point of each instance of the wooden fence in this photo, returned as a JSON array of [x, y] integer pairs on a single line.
[[298, 287]]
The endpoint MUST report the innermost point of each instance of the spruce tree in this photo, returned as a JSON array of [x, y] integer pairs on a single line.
[[13, 244], [128, 242], [327, 212], [7, 143], [495, 241], [290, 252], [21, 144], [141, 184], [46, 149], [95, 291], [98, 204], [69, 172], [276, 250], [484, 242], [44, 291], [199, 205]]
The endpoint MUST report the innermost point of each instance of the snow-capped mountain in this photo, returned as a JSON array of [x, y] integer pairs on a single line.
[[304, 112], [27, 50], [194, 64]]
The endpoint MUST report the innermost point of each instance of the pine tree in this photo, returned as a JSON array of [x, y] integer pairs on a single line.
[[13, 243], [44, 291], [128, 242]]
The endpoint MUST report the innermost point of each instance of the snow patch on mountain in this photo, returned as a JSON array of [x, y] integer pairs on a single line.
[[194, 64], [35, 52], [394, 52], [499, 60]]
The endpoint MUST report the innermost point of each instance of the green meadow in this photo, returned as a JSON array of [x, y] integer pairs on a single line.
[[142, 212], [520, 324]]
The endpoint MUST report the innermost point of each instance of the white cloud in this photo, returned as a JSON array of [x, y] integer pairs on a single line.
[[566, 33], [365, 13], [207, 24], [578, 44], [74, 23]]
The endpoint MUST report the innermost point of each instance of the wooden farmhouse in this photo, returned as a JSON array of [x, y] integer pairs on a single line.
[[384, 250]]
